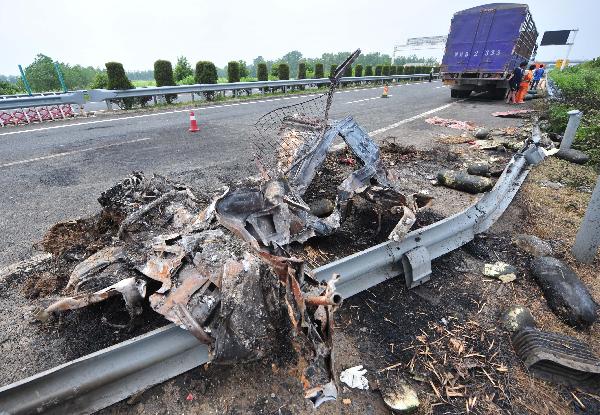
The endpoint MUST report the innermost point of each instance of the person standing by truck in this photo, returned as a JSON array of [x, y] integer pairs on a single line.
[[538, 74], [524, 85], [513, 83]]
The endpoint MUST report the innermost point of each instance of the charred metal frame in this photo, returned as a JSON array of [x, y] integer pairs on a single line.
[[110, 375]]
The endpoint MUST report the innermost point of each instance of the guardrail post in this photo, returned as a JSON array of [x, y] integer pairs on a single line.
[[569, 136], [587, 240]]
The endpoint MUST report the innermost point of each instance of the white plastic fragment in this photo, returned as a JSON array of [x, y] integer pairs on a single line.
[[354, 377]]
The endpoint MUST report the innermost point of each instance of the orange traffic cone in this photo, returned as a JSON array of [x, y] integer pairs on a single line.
[[385, 92], [193, 123]]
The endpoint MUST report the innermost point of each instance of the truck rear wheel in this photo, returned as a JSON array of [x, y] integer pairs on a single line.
[[460, 93]]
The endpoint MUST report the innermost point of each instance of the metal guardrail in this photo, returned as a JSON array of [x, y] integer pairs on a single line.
[[28, 101], [11, 102], [108, 376], [97, 95]]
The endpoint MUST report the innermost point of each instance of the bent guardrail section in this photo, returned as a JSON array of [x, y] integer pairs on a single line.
[[75, 97]]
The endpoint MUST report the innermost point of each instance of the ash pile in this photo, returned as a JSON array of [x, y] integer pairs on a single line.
[[223, 267]]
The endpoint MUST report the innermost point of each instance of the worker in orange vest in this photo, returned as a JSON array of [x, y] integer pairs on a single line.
[[524, 85]]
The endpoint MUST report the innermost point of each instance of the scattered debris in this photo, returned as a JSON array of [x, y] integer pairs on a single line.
[[551, 185], [558, 358], [516, 318], [398, 395], [532, 244], [455, 139], [572, 155], [514, 113], [566, 295], [485, 169], [464, 181], [355, 377], [445, 122], [346, 401], [500, 271], [221, 267], [481, 133]]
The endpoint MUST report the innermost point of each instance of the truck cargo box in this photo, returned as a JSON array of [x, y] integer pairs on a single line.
[[485, 44]]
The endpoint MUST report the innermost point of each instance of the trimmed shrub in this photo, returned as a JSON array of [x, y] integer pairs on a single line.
[[368, 70], [262, 72], [408, 70], [301, 73], [302, 70], [319, 71], [283, 71], [393, 70], [118, 80], [386, 70], [116, 76], [233, 71], [399, 70], [206, 73], [332, 70], [163, 74], [378, 70], [358, 70]]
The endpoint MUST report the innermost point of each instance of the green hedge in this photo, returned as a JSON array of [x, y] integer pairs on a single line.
[[302, 70], [233, 71], [262, 72], [206, 73], [319, 71], [283, 71], [368, 70], [332, 70], [386, 70], [358, 70], [163, 75], [117, 79], [378, 70]]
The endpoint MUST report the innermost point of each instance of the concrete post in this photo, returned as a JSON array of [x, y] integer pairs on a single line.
[[587, 240], [569, 136]]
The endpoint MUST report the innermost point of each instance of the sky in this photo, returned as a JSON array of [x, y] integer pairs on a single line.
[[136, 33]]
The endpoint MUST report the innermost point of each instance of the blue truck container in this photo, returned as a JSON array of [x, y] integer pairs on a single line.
[[484, 45]]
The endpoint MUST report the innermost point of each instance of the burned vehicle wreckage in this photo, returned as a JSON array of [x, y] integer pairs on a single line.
[[222, 268]]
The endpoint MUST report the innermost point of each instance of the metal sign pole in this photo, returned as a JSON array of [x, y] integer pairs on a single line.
[[60, 77], [564, 62], [24, 78]]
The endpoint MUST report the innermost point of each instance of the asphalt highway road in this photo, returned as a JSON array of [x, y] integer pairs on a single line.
[[56, 171]]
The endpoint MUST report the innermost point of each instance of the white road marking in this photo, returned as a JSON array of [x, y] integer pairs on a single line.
[[68, 153], [365, 99], [407, 120]]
